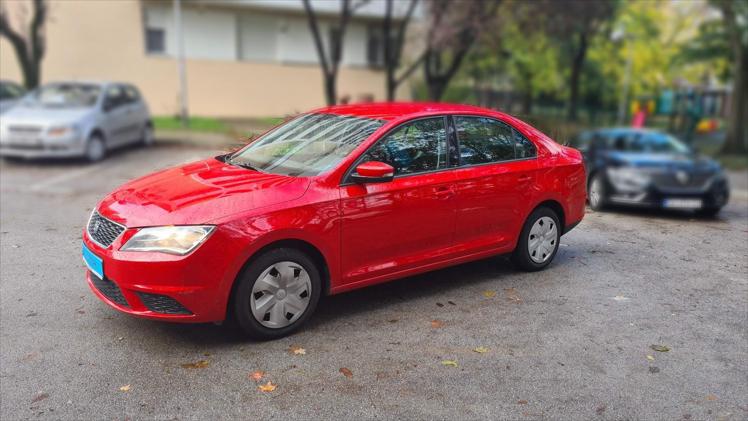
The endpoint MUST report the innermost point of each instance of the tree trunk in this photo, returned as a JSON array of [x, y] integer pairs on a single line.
[[576, 71], [527, 102], [736, 141]]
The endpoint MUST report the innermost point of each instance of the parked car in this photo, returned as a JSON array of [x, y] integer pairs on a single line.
[[648, 168], [10, 93], [75, 119], [336, 199]]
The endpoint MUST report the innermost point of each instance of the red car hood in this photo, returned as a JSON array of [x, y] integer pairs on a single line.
[[197, 193]]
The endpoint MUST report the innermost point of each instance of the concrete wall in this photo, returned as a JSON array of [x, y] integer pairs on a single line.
[[104, 40]]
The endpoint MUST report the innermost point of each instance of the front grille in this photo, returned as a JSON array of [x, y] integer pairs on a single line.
[[109, 289], [102, 230], [25, 130], [162, 304], [669, 181]]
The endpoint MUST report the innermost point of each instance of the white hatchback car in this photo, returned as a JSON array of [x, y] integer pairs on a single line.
[[75, 119]]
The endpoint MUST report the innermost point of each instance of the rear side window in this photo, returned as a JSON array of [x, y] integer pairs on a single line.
[[523, 148], [484, 140], [414, 147]]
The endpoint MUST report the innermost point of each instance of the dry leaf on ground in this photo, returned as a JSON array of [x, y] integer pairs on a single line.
[[480, 349], [449, 363], [489, 294], [257, 375], [267, 387], [436, 324], [198, 364], [125, 388], [711, 397], [650, 358], [297, 350], [522, 402], [512, 295], [346, 372], [660, 348]]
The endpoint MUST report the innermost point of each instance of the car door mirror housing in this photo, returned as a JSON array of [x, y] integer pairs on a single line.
[[373, 172]]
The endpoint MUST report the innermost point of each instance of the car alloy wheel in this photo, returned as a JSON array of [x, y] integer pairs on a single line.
[[596, 193], [280, 294], [542, 239]]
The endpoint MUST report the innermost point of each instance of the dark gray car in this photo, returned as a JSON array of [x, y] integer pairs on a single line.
[[75, 119]]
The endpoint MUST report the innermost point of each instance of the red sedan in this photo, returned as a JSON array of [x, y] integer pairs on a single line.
[[336, 199]]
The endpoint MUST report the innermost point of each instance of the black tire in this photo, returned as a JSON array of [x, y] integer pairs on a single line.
[[147, 137], [598, 182], [708, 212], [95, 148], [521, 256], [242, 312]]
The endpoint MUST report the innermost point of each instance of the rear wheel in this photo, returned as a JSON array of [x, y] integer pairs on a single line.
[[277, 293], [538, 242], [147, 138], [596, 193]]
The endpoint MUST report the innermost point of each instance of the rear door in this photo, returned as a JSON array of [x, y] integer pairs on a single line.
[[493, 184], [116, 122], [136, 115], [409, 222]]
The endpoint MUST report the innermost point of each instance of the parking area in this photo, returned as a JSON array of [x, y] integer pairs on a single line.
[[642, 315]]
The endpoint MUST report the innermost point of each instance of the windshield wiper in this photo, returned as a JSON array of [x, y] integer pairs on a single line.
[[244, 165]]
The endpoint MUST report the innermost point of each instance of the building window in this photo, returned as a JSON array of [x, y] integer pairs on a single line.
[[375, 47], [155, 41]]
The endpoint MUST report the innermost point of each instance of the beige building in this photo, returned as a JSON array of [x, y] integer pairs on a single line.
[[243, 57]]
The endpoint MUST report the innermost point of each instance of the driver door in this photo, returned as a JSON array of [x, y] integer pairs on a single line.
[[409, 222]]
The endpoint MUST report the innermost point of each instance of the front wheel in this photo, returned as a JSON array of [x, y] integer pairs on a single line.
[[276, 294], [95, 148], [538, 242], [596, 193]]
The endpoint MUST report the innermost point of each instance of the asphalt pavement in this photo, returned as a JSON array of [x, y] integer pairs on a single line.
[[475, 341]]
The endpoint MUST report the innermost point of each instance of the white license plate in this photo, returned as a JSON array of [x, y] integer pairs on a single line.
[[682, 203]]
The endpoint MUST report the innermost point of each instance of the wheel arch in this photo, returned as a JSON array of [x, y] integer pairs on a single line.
[[556, 207], [294, 243]]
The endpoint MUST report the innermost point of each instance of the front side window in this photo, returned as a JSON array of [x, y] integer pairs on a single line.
[[414, 147], [523, 148], [307, 145], [484, 140]]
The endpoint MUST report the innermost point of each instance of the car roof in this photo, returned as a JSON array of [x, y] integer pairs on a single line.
[[398, 110]]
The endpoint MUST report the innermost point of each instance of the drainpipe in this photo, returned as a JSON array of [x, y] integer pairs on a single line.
[[183, 113]]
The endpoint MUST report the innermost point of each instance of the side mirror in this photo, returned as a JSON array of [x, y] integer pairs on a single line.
[[373, 172]]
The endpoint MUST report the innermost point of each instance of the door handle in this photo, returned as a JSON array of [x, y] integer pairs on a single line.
[[524, 178], [444, 191]]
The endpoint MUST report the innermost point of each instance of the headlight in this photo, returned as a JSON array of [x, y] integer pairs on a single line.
[[59, 131], [170, 239], [627, 179]]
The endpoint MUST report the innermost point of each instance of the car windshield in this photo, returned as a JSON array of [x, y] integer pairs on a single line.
[[65, 95], [10, 91], [649, 143], [307, 145]]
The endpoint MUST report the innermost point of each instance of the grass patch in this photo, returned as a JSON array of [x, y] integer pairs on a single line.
[[198, 124]]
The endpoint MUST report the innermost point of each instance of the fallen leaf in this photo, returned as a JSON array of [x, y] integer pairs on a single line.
[[297, 350], [480, 349], [522, 402], [257, 375], [125, 388], [600, 409], [489, 294], [452, 303], [711, 397], [449, 363], [346, 372], [439, 305], [660, 348], [40, 397], [198, 364], [650, 358], [512, 295], [620, 298], [437, 324], [267, 387]]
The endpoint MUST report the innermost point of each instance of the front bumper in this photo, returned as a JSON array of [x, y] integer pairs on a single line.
[[192, 288], [43, 148], [712, 196]]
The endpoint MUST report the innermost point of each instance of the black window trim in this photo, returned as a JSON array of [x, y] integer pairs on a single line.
[[515, 131], [346, 179]]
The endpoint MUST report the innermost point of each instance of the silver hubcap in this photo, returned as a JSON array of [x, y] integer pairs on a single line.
[[280, 295], [543, 239], [595, 192]]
